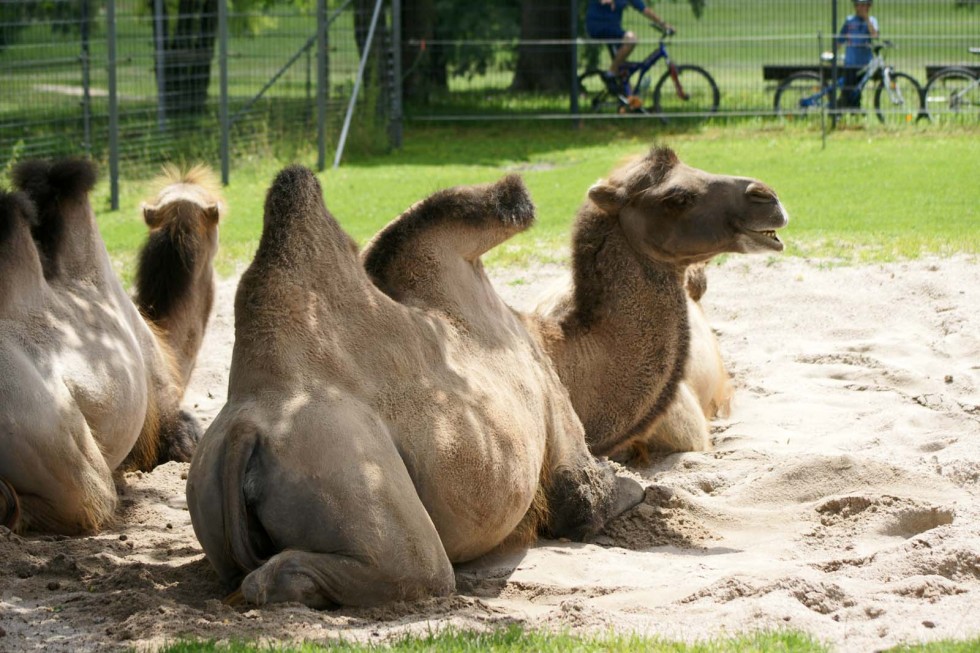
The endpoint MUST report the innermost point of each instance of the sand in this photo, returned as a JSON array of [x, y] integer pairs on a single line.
[[842, 497]]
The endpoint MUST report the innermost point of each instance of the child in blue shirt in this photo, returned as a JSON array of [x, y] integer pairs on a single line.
[[604, 20], [856, 33]]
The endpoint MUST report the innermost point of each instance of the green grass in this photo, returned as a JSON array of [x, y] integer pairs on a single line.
[[870, 195], [515, 638]]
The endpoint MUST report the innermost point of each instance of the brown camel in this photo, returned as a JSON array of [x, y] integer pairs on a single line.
[[91, 382], [367, 443], [622, 333]]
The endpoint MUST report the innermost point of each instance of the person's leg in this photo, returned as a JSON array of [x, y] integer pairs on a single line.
[[627, 45]]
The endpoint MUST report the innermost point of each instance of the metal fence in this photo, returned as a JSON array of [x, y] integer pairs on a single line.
[[520, 59], [136, 82]]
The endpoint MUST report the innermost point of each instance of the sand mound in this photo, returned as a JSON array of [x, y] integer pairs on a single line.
[[843, 496]]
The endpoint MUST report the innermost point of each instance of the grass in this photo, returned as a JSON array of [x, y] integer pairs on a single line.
[[871, 195], [515, 638]]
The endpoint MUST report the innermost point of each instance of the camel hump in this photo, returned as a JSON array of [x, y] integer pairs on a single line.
[[469, 220], [16, 210], [50, 184]]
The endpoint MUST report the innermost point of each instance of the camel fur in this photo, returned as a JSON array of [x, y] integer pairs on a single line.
[[91, 382], [627, 335], [367, 444]]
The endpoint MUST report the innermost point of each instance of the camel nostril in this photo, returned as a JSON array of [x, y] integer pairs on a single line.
[[759, 192]]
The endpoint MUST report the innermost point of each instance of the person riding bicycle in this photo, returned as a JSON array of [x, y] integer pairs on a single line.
[[604, 20], [856, 33]]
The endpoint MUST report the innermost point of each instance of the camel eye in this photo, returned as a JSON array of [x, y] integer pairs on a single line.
[[677, 198]]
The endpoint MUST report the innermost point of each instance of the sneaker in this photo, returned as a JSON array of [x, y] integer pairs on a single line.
[[612, 82]]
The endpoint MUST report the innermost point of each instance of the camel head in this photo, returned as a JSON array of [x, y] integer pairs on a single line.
[[674, 213], [183, 221]]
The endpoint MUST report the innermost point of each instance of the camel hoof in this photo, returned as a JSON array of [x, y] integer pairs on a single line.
[[236, 599], [178, 444], [9, 505], [629, 493]]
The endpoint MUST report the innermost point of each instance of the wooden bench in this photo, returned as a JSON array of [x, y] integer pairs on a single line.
[[779, 72], [932, 70]]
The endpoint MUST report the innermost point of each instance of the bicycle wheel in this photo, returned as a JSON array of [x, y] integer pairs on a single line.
[[700, 93], [953, 96], [799, 96], [901, 103], [593, 96]]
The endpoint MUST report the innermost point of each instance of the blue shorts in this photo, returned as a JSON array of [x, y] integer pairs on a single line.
[[604, 30]]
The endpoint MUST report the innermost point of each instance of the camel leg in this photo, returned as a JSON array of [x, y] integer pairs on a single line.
[[48, 454], [682, 427], [329, 503], [178, 438], [9, 505]]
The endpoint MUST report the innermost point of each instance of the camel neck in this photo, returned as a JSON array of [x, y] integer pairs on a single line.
[[625, 341]]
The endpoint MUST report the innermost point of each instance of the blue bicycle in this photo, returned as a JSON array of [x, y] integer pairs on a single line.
[[681, 90]]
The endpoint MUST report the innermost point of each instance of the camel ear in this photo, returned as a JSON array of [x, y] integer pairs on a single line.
[[607, 197], [150, 216], [213, 214]]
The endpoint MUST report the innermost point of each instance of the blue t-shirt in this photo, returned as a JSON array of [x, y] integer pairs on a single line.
[[854, 33], [607, 14]]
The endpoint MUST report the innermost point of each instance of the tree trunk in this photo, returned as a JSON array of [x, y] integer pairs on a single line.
[[423, 66], [544, 67], [187, 54]]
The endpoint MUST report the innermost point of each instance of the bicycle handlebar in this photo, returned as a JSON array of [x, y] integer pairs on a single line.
[[665, 32]]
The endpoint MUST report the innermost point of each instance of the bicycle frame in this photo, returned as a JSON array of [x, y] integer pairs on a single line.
[[644, 67], [877, 64]]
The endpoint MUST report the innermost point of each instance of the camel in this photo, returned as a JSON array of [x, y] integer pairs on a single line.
[[369, 443], [90, 380], [628, 336]]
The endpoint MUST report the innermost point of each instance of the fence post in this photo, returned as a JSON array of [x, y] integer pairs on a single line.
[[396, 73], [368, 42], [86, 78], [573, 33], [223, 99], [159, 47], [113, 106], [321, 85], [833, 62]]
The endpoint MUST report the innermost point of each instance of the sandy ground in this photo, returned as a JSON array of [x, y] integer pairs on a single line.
[[842, 498]]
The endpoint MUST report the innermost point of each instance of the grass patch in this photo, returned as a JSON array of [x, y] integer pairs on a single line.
[[515, 638], [869, 195]]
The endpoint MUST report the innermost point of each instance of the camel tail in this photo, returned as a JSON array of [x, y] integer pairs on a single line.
[[9, 505], [241, 528]]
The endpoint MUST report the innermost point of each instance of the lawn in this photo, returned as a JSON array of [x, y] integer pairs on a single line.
[[868, 195]]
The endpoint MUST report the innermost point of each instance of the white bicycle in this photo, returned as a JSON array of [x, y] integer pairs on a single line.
[[953, 94]]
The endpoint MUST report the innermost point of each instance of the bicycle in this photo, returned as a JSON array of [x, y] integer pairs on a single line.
[[898, 98], [691, 91], [954, 93]]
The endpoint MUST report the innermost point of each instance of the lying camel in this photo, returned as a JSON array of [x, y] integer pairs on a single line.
[[91, 382], [367, 444], [621, 334]]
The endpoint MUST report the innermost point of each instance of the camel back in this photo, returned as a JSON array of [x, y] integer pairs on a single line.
[[52, 186], [15, 209]]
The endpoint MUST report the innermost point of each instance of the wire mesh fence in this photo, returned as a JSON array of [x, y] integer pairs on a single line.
[[144, 81], [139, 82]]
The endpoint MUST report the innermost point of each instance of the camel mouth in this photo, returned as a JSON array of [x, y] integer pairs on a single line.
[[761, 240]]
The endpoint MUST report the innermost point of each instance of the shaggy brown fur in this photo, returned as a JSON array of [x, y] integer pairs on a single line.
[[88, 386], [368, 444], [621, 334]]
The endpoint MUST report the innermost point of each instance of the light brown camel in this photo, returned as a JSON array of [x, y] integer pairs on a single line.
[[367, 444], [622, 333], [91, 382]]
